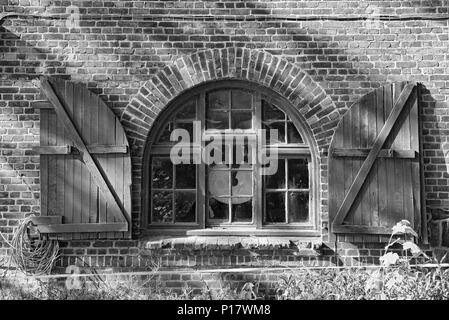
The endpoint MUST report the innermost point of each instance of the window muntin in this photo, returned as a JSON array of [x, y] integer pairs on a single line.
[[287, 192], [274, 118], [173, 191], [223, 190]]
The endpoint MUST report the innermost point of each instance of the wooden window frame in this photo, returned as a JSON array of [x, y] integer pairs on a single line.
[[258, 228]]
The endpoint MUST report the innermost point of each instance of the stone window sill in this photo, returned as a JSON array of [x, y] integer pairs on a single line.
[[301, 246]]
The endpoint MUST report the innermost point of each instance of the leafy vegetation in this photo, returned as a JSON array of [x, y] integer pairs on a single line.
[[396, 279]]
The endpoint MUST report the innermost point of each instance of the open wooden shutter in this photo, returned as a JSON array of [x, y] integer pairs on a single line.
[[374, 163], [85, 165]]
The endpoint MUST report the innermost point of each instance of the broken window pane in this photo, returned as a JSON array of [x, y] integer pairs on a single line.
[[275, 207], [162, 207], [293, 134], [187, 112], [242, 183], [218, 208], [185, 176], [298, 174], [270, 112], [277, 180], [241, 120], [218, 99], [241, 99], [279, 126], [188, 126], [217, 119], [162, 172], [298, 206], [185, 206], [243, 210], [218, 183], [165, 134]]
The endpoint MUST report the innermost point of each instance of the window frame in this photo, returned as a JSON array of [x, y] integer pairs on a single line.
[[306, 150]]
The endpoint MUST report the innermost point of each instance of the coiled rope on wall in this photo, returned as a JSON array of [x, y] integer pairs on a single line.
[[33, 255]]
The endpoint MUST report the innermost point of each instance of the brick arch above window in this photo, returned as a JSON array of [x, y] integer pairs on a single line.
[[261, 67]]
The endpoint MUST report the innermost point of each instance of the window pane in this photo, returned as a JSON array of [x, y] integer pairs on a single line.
[[186, 126], [218, 100], [188, 112], [185, 176], [279, 126], [242, 211], [293, 134], [217, 119], [277, 180], [218, 208], [218, 183], [162, 173], [270, 112], [242, 182], [241, 120], [162, 206], [241, 99], [298, 174], [217, 154], [185, 206], [165, 134], [275, 207], [242, 153], [298, 206]]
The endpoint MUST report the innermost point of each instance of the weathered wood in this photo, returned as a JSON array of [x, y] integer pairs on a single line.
[[100, 179], [358, 229], [388, 191], [93, 149], [41, 104], [384, 153], [83, 227], [44, 163], [107, 149], [67, 149], [368, 163], [78, 121], [38, 220]]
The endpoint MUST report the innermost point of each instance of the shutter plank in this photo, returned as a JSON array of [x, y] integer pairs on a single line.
[[398, 191], [52, 125], [60, 166], [380, 186], [372, 193], [69, 164], [81, 114], [119, 164], [84, 126], [354, 214], [101, 137], [364, 191], [366, 167], [419, 222], [389, 164], [349, 163], [78, 141], [44, 162], [94, 190]]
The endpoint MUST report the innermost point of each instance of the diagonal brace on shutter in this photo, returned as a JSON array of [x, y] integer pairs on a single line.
[[372, 156], [94, 168]]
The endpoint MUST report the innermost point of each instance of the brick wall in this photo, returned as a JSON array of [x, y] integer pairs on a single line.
[[119, 46], [200, 263]]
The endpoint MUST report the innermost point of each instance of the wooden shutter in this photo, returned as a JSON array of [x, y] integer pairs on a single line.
[[374, 163], [85, 165]]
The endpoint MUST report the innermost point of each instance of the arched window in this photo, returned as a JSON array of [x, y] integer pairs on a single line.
[[239, 193]]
